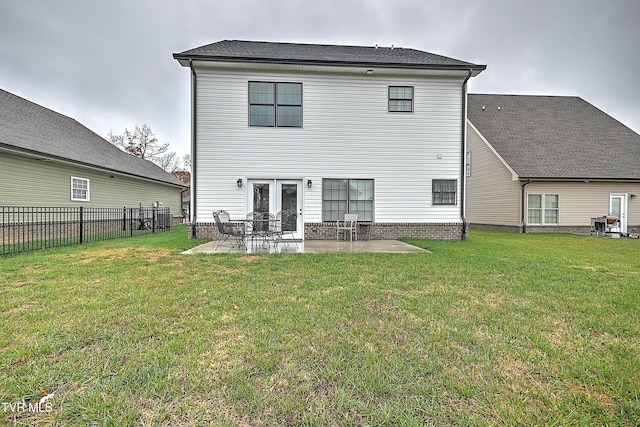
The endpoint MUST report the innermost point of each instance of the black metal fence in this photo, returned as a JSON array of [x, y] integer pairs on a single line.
[[31, 228]]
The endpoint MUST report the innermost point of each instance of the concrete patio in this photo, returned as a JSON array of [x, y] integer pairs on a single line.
[[313, 247]]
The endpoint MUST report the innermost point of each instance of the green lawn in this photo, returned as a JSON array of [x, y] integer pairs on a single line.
[[503, 329]]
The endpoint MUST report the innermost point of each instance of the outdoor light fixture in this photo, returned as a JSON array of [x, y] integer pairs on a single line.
[[309, 183], [239, 182]]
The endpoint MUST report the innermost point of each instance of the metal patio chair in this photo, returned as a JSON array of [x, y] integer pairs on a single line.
[[228, 231]]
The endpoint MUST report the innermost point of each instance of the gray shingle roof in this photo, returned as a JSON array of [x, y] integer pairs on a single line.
[[239, 50], [556, 137], [31, 128]]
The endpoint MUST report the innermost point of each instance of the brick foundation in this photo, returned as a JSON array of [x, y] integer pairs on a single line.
[[374, 231], [495, 227], [576, 229]]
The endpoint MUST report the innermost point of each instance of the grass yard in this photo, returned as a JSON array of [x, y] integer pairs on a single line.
[[503, 329]]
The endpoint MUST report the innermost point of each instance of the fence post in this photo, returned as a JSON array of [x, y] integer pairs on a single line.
[[131, 222], [81, 225], [124, 218]]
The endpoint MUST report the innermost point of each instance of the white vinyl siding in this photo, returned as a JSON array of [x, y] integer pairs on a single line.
[[347, 133]]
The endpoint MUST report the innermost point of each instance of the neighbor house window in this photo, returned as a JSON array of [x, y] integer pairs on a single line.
[[542, 208], [340, 196], [79, 189], [401, 99], [275, 104], [468, 163], [443, 191]]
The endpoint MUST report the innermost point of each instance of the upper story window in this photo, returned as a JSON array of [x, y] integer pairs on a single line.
[[79, 189], [443, 191], [275, 104], [401, 99]]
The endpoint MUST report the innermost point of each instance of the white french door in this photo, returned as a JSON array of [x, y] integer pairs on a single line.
[[274, 195], [618, 207]]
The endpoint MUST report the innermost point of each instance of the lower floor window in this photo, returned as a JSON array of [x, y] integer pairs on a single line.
[[79, 189], [443, 191], [340, 196], [542, 208]]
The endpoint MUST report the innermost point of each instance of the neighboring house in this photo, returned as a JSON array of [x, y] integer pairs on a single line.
[[325, 130], [48, 159], [549, 163]]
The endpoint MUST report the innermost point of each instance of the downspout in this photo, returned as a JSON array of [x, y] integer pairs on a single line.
[[463, 171], [523, 224], [194, 122]]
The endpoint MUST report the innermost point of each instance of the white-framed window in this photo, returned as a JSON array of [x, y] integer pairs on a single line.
[[443, 191], [401, 99], [468, 163], [543, 208], [80, 189]]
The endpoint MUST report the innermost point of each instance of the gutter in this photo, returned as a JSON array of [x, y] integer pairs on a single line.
[[194, 131], [523, 224], [327, 62], [463, 170]]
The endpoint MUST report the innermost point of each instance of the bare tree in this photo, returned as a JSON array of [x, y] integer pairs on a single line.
[[186, 161], [170, 162], [142, 142]]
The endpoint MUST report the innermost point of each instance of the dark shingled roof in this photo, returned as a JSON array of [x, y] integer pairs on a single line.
[[31, 128], [314, 54], [556, 137]]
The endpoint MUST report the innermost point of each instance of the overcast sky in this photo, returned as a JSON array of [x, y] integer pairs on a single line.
[[109, 65]]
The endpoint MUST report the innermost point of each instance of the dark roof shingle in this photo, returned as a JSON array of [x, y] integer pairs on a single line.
[[240, 50], [556, 137], [31, 128]]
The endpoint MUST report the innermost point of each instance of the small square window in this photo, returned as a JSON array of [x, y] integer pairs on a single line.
[[401, 99], [443, 191], [79, 189]]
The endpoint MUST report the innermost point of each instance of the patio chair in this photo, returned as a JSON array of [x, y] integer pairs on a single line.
[[285, 224], [348, 225], [260, 225], [227, 231]]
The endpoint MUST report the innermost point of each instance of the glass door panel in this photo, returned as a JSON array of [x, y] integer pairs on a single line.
[[260, 201], [290, 200], [618, 207], [274, 195]]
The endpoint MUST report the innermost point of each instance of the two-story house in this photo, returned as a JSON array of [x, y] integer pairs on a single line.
[[325, 130]]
